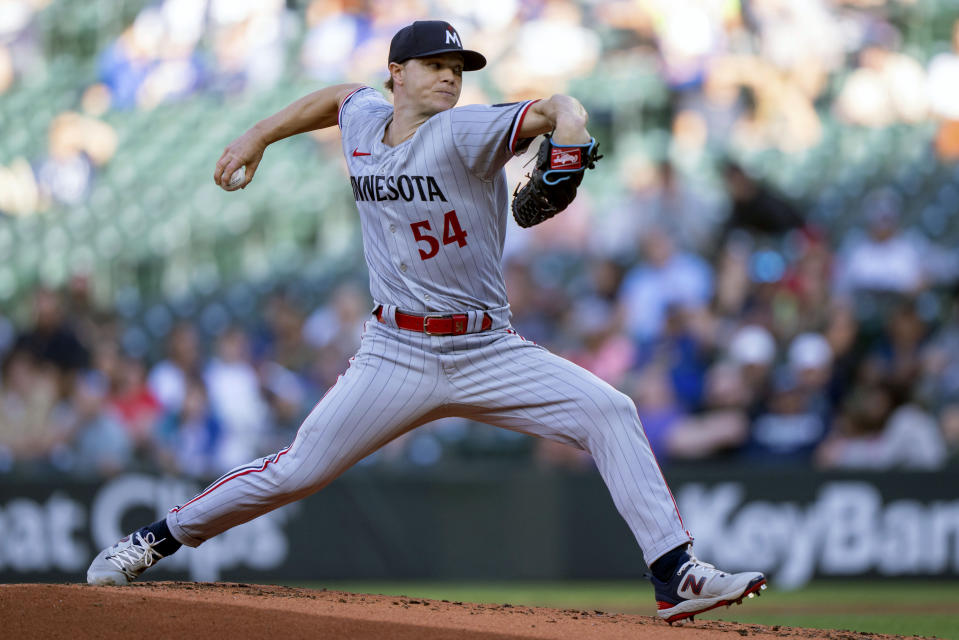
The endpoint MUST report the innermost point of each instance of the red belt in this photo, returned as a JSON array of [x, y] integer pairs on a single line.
[[449, 325]]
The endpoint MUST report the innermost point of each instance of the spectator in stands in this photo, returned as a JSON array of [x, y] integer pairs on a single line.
[[333, 331], [177, 70], [721, 428], [20, 37], [98, 443], [810, 359], [236, 398], [125, 65], [596, 343], [28, 393], [77, 146], [753, 349], [872, 434], [335, 29], [134, 403], [671, 202], [340, 322], [665, 277], [79, 304], [155, 59], [733, 284], [688, 35], [889, 258], [754, 206], [547, 67], [683, 350], [939, 385], [285, 363], [530, 303], [843, 335], [282, 338], [51, 339], [897, 351], [805, 287], [248, 43], [788, 428], [658, 408], [168, 378], [286, 395], [188, 439]]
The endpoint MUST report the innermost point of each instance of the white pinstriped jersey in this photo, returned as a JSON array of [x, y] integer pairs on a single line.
[[433, 209]]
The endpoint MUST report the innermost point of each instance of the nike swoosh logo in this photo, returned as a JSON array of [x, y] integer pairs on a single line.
[[357, 153]]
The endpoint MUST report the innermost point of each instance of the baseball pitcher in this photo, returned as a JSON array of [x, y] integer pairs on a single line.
[[431, 193]]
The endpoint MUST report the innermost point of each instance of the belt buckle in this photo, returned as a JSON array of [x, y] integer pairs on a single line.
[[426, 330]]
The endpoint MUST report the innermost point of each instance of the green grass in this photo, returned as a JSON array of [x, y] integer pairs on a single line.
[[890, 606]]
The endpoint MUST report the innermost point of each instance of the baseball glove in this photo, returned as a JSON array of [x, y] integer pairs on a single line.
[[552, 185]]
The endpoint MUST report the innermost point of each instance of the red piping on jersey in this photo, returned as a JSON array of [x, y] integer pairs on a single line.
[[331, 388], [670, 491], [266, 463], [519, 123], [343, 104]]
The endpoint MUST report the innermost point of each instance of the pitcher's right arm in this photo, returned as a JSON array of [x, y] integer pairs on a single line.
[[317, 110]]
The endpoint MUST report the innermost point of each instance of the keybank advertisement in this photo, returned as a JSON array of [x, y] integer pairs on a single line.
[[848, 530], [884, 525]]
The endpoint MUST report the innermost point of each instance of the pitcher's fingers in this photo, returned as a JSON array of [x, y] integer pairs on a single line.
[[220, 165], [228, 171]]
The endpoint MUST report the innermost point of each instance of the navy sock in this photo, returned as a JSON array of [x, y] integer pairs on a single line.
[[167, 543], [664, 566]]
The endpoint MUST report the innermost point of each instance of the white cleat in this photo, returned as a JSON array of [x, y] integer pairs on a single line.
[[123, 563], [697, 587]]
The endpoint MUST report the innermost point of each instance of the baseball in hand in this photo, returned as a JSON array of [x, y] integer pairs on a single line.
[[237, 178]]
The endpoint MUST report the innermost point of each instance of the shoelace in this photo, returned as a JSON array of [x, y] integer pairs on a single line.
[[694, 561], [140, 549]]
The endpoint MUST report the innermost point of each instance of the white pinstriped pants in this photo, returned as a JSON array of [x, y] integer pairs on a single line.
[[399, 380]]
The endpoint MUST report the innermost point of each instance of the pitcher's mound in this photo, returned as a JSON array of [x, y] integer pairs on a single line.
[[227, 611]]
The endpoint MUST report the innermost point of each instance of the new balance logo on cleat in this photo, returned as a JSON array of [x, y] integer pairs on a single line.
[[690, 584], [696, 587]]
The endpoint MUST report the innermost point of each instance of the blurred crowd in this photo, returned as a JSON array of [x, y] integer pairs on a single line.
[[73, 399], [773, 346], [775, 349], [750, 74], [743, 330]]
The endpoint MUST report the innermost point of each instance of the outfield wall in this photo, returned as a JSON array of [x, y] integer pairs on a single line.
[[495, 523]]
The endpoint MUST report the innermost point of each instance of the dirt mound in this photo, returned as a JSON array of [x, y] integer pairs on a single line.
[[226, 610]]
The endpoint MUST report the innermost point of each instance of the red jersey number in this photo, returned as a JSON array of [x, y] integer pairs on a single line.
[[452, 232]]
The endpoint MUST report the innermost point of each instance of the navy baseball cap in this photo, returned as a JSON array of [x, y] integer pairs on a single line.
[[431, 37]]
